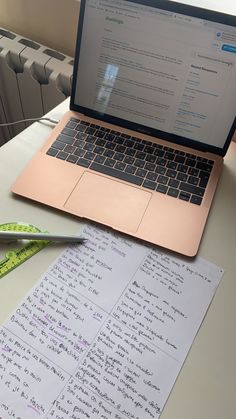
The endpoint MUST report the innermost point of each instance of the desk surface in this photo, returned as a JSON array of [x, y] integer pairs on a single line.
[[206, 386]]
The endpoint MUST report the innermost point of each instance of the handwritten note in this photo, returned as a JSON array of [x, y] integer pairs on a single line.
[[104, 332]]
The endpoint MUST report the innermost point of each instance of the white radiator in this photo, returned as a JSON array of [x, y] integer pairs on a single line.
[[33, 79]]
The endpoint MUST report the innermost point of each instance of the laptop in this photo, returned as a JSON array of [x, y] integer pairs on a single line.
[[152, 114]]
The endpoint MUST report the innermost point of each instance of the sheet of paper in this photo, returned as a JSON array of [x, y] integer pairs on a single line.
[[104, 332]]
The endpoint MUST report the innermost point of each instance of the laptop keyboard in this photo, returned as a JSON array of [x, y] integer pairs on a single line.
[[139, 162]]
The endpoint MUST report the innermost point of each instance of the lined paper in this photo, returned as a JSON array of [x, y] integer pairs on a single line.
[[105, 331]]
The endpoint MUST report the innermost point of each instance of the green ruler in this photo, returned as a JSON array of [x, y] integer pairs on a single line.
[[22, 250]]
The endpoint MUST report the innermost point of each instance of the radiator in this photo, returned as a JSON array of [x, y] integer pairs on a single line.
[[33, 79]]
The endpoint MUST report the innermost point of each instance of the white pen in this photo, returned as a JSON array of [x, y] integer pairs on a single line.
[[24, 235]]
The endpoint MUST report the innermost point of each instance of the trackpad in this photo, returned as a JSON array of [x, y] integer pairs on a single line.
[[108, 201]]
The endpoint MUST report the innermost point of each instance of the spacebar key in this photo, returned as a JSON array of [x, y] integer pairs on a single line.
[[110, 171]]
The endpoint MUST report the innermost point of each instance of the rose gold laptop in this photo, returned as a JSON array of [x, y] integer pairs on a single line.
[[152, 115]]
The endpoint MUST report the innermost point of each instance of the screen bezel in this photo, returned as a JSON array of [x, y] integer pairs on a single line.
[[167, 5]]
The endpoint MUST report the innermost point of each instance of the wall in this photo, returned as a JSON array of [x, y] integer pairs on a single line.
[[50, 22]]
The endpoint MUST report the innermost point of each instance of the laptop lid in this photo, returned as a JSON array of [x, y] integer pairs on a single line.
[[158, 67]]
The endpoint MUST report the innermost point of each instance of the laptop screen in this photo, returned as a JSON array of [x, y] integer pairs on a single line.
[[165, 69]]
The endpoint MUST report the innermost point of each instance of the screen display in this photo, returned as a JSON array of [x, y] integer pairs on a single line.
[[157, 68]]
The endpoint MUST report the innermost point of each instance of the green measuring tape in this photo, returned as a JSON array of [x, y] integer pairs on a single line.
[[16, 257]]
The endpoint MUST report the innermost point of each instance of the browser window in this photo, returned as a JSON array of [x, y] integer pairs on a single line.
[[160, 69]]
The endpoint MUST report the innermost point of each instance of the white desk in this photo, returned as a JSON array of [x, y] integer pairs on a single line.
[[206, 386]]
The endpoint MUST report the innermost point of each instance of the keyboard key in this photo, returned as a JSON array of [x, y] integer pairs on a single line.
[[171, 173], [58, 145], [130, 169], [120, 165], [79, 143], [138, 145], [109, 145], [81, 136], [129, 159], [69, 149], [186, 187], [191, 156], [120, 148], [89, 155], [171, 165], [108, 153], [161, 170], [99, 159], [161, 161], [150, 166], [149, 184], [141, 172], [90, 130], [94, 126], [161, 188], [190, 162], [79, 152], [202, 159], [72, 124], [62, 155], [179, 159], [125, 135], [88, 147], [203, 180], [83, 162], [110, 162], [173, 192], [128, 143], [100, 142], [52, 152], [119, 156], [116, 173], [65, 139], [99, 134], [169, 156], [182, 168], [77, 120], [193, 172], [152, 176], [69, 131], [151, 158], [204, 175], [140, 155], [193, 180], [72, 158], [204, 166], [98, 149], [159, 153], [119, 140], [173, 183], [90, 139], [182, 176], [139, 163], [149, 149], [105, 129], [184, 196], [130, 152], [81, 128], [163, 179], [86, 123], [196, 200], [109, 137]]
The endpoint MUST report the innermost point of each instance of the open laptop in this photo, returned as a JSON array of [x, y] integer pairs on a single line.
[[152, 115]]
